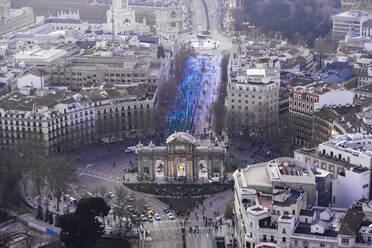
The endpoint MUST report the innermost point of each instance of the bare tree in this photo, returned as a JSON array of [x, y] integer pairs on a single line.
[[120, 203], [61, 174]]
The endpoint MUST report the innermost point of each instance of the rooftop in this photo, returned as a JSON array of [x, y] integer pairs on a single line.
[[318, 88], [307, 212], [303, 228], [18, 101], [293, 197], [353, 14], [350, 224], [356, 144], [314, 153]]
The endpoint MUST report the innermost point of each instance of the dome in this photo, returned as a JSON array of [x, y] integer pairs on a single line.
[[181, 136]]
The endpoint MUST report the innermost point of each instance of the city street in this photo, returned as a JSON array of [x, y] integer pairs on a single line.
[[164, 234]]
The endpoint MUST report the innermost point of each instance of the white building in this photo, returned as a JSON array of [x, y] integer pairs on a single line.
[[33, 79], [122, 20], [349, 159], [39, 56], [355, 149], [14, 19], [352, 186], [282, 219], [350, 21], [279, 173]]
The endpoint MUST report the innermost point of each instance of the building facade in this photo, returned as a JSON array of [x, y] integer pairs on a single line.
[[348, 21], [348, 156], [121, 19], [253, 97], [56, 121], [78, 72], [356, 5], [123, 112], [14, 19], [61, 121], [283, 218], [182, 158], [363, 70], [305, 101]]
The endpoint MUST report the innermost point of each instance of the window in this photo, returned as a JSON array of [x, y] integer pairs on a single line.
[[284, 239], [322, 245], [284, 231], [345, 241]]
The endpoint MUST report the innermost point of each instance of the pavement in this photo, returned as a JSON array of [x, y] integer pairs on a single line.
[[213, 207], [174, 234]]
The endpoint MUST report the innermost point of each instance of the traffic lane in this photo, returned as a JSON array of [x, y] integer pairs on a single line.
[[93, 183]]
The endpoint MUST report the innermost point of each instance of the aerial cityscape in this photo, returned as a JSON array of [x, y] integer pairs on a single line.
[[185, 123]]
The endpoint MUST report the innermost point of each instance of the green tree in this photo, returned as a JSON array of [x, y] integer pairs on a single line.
[[82, 228]]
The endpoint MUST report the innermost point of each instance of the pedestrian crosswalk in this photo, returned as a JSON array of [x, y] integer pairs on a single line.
[[106, 172]]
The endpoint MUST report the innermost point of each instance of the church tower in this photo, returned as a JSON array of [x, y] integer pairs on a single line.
[[4, 9]]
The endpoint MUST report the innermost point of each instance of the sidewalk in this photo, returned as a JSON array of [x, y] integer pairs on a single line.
[[31, 221]]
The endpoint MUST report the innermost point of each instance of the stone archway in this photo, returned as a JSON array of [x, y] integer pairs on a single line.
[[181, 170], [203, 169], [159, 169]]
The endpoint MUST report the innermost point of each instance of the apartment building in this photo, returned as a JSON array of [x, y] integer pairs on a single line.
[[124, 111], [305, 101], [348, 156], [363, 70], [13, 19], [254, 97], [348, 21], [284, 217], [356, 5], [61, 121], [56, 121], [78, 72]]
